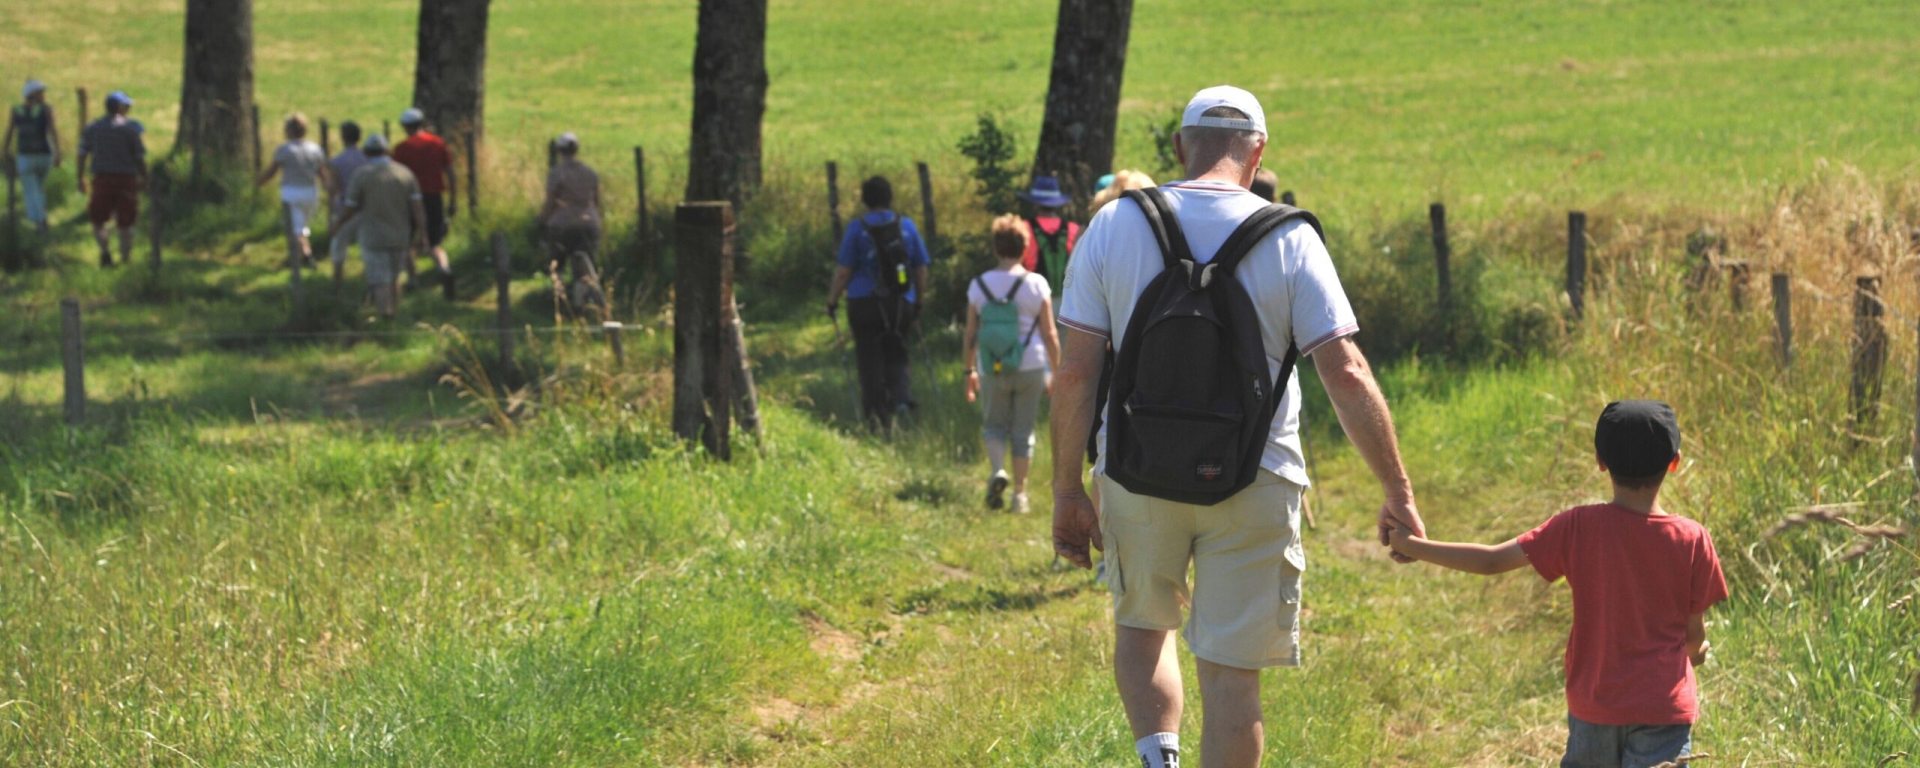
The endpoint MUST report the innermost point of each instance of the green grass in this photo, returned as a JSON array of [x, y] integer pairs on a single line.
[[324, 551]]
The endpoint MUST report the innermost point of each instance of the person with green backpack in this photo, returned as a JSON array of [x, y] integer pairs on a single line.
[[1009, 347], [1053, 235]]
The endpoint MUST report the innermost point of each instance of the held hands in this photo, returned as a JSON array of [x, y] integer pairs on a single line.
[[1400, 516], [1075, 526], [1699, 655]]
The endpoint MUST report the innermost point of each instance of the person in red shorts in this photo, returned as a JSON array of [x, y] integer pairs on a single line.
[[1642, 581], [118, 158], [426, 155]]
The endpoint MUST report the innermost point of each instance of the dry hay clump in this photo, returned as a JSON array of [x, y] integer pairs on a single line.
[[1870, 536]]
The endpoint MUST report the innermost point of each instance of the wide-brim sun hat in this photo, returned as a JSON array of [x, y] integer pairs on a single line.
[[1045, 193], [1194, 116], [32, 87]]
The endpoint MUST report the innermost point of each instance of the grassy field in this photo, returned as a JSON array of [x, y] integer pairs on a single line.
[[327, 551]]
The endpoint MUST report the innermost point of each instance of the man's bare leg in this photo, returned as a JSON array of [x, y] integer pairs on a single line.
[[126, 245], [1147, 673], [1232, 733], [383, 299], [100, 238]]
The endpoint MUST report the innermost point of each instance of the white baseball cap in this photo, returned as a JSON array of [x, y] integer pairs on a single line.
[[566, 140], [32, 87], [1225, 96], [413, 116]]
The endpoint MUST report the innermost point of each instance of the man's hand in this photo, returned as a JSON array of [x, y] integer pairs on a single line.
[[1075, 526], [1699, 655], [1400, 515], [973, 386]]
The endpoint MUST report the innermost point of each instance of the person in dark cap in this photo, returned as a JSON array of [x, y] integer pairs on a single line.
[[1642, 581], [882, 271]]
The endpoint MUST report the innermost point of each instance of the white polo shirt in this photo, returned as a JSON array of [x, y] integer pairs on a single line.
[[1289, 275]]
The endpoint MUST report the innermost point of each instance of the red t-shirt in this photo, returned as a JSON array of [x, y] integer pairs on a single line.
[[1051, 224], [1636, 579], [427, 156]]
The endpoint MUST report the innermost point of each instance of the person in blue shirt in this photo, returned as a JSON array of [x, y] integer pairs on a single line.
[[881, 308]]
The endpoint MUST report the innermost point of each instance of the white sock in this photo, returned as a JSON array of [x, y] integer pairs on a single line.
[[1159, 750]]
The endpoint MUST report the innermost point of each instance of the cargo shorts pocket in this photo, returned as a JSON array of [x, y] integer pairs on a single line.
[[1288, 616]]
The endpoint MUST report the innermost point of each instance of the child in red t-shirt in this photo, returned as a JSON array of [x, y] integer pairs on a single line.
[[1642, 581]]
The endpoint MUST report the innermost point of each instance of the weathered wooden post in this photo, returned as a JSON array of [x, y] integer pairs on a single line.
[[1442, 257], [1869, 349], [473, 175], [644, 227], [386, 130], [1577, 262], [71, 354], [926, 203], [612, 328], [293, 260], [81, 94], [702, 316], [833, 200], [503, 315], [1738, 273], [1287, 197], [1783, 318], [326, 141], [258, 161], [746, 398]]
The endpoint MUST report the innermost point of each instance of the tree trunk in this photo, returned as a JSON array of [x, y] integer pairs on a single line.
[[729, 98], [1083, 95], [216, 84], [449, 71]]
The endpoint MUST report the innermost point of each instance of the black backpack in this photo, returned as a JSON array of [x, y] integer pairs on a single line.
[[889, 259], [1191, 406]]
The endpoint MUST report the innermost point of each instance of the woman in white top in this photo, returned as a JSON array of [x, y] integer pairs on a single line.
[[1010, 346], [302, 166]]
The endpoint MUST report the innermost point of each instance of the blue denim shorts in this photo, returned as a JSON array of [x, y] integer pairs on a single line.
[[1624, 746]]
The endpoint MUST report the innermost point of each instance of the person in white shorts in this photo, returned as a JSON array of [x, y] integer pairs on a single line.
[[1028, 348], [302, 168], [1245, 552]]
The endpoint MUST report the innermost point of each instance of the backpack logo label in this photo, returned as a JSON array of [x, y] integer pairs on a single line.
[[1209, 470]]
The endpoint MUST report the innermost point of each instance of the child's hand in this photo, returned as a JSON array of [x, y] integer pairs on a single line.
[[1699, 656], [1397, 539]]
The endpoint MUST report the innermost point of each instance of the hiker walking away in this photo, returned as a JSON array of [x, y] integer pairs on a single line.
[[571, 217], [385, 205], [427, 156], [340, 171], [1053, 235], [1266, 185], [32, 144], [883, 274], [1009, 346], [113, 150], [1200, 459], [302, 168], [1642, 581]]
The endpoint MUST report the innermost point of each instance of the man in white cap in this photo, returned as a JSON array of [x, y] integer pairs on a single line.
[[384, 205], [571, 216], [38, 150], [1245, 551], [118, 156], [427, 156]]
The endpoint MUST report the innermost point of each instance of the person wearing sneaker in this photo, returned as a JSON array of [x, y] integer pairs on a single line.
[[1009, 347]]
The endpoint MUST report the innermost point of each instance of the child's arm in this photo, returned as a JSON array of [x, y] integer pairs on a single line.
[[1697, 644], [1473, 558]]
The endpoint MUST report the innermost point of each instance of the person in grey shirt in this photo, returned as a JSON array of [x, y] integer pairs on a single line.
[[386, 201], [340, 173], [113, 147]]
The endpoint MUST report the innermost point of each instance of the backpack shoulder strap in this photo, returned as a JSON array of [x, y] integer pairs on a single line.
[[1255, 228], [1165, 226], [981, 280]]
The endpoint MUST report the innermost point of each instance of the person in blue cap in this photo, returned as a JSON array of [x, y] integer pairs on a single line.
[[1053, 235], [112, 148], [38, 150]]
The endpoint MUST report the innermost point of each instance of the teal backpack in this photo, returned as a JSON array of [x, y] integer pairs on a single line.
[[1001, 345]]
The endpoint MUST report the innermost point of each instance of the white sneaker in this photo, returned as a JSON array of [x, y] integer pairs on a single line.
[[1020, 504]]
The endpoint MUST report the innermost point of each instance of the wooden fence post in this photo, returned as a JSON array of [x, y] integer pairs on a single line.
[[71, 358], [645, 228], [746, 397], [1287, 197], [1442, 257], [503, 299], [386, 130], [1869, 349], [612, 328], [1783, 318], [326, 139], [258, 162], [833, 200], [1577, 262], [293, 261], [703, 296], [80, 127], [926, 203], [473, 176]]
